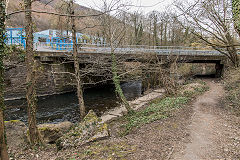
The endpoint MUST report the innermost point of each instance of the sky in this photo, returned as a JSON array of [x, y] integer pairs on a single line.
[[158, 5]]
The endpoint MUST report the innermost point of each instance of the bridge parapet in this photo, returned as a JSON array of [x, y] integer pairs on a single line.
[[103, 49]]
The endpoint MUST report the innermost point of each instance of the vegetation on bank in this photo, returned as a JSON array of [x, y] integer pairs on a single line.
[[14, 53], [232, 87], [158, 109], [162, 107]]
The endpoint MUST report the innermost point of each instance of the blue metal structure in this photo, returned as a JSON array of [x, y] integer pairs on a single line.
[[54, 39], [66, 43], [15, 36], [60, 43]]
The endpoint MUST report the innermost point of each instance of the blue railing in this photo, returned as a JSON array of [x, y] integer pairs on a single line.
[[65, 43], [15, 36], [60, 43]]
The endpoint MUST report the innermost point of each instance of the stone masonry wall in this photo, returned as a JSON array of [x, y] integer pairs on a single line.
[[51, 79]]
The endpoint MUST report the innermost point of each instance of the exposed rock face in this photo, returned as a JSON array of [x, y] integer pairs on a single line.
[[51, 132], [91, 129]]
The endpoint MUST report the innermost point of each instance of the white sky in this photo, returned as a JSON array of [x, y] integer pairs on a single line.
[[161, 4]]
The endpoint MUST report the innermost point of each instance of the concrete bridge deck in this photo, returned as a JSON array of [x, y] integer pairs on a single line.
[[179, 54], [187, 56]]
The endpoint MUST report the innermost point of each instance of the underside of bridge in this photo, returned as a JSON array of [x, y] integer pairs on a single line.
[[56, 70], [99, 64], [219, 66]]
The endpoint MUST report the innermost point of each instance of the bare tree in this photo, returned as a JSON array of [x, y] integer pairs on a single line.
[[3, 141], [211, 21], [114, 28], [31, 77], [154, 18], [138, 28], [76, 64]]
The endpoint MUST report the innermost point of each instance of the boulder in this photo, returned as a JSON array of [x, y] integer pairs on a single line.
[[51, 132], [89, 130]]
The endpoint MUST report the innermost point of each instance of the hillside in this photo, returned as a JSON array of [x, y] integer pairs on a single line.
[[45, 21]]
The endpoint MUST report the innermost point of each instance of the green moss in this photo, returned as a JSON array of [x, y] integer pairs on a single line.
[[103, 127], [91, 117], [83, 132], [12, 121], [43, 129]]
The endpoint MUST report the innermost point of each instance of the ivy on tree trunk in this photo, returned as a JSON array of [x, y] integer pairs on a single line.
[[116, 81], [236, 14], [3, 141], [34, 135]]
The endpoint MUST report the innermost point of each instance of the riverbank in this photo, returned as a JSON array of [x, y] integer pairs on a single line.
[[135, 104], [156, 124]]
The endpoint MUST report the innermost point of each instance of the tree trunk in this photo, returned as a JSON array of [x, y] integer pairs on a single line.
[[155, 34], [149, 34], [31, 77], [3, 141], [165, 33], [116, 82], [161, 33], [232, 49], [236, 15], [76, 65], [233, 55]]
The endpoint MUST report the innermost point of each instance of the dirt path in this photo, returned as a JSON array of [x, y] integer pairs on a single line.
[[208, 133]]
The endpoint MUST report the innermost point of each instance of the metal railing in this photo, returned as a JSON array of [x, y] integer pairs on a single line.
[[14, 36], [128, 49], [97, 48]]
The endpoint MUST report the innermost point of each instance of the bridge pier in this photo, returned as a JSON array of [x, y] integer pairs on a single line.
[[219, 69]]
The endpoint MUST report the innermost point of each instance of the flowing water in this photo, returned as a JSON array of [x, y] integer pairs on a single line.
[[58, 108]]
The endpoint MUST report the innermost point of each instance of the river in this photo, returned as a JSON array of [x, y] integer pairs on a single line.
[[64, 107]]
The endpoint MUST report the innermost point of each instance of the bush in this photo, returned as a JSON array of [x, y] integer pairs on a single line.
[[232, 87]]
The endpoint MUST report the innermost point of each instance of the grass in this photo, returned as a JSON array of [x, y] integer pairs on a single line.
[[160, 108], [155, 111]]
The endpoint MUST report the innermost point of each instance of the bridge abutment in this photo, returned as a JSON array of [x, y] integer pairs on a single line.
[[219, 69]]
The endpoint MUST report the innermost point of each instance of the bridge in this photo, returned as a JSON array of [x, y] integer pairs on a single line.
[[134, 62], [49, 48], [90, 52], [56, 73]]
